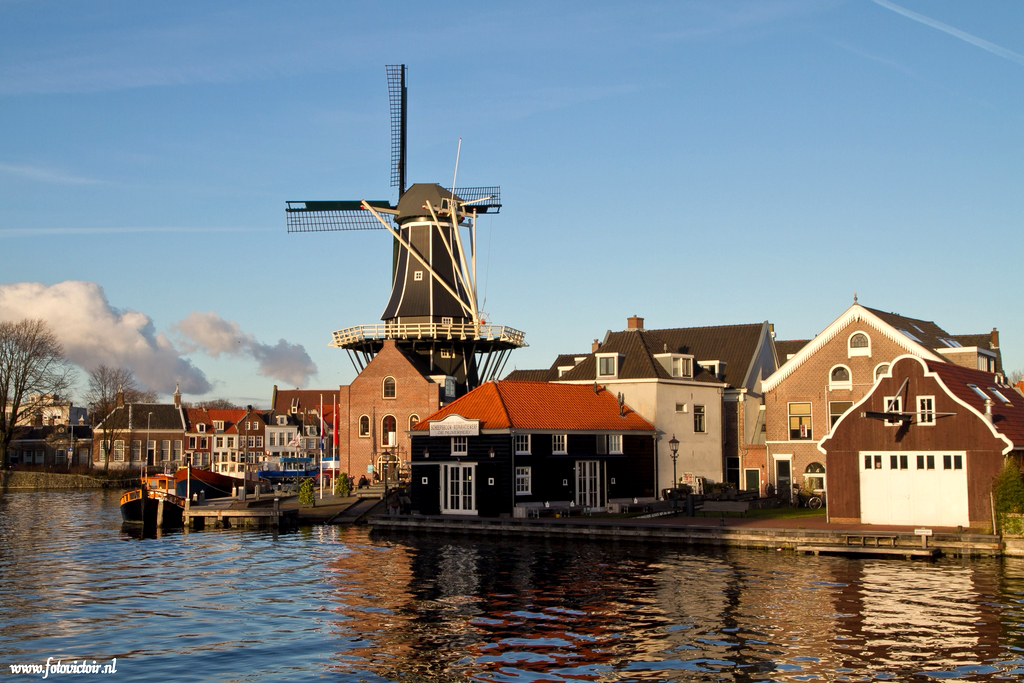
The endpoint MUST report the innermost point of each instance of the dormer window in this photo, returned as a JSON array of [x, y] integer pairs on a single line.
[[201, 428], [607, 364], [218, 425], [282, 420], [715, 367], [682, 367]]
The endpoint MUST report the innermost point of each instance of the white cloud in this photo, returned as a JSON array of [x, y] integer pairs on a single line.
[[45, 175], [210, 333], [93, 332]]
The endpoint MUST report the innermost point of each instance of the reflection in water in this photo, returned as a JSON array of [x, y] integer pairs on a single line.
[[352, 606]]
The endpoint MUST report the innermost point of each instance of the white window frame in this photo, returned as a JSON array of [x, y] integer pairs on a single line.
[[384, 388], [522, 444], [879, 372], [615, 444], [559, 443], [460, 445], [926, 412], [840, 384], [892, 404], [607, 357], [701, 412], [359, 427], [810, 421], [524, 481], [859, 351]]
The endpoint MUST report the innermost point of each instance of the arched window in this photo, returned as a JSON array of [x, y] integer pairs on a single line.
[[881, 370], [364, 425], [389, 387], [860, 344], [814, 476], [388, 426], [413, 421], [839, 378]]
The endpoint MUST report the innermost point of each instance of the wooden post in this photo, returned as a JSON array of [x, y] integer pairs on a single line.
[[160, 513]]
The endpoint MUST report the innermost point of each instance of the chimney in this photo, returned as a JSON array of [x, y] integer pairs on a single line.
[[988, 410], [635, 323], [595, 347], [995, 339], [37, 419], [177, 397], [120, 398]]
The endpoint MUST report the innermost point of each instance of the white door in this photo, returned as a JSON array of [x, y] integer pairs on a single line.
[[458, 494], [919, 488], [588, 483]]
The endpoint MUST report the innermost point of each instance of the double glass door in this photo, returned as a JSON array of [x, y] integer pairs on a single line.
[[458, 492]]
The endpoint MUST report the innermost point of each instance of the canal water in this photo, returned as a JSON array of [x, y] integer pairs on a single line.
[[344, 604]]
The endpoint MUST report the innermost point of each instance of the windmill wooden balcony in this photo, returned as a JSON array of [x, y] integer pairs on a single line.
[[498, 336]]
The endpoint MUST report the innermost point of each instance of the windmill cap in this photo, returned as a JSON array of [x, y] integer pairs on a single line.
[[413, 203]]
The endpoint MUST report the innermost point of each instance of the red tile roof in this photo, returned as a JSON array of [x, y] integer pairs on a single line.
[[1007, 418], [543, 406]]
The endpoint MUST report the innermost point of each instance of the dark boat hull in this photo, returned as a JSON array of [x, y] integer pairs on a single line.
[[209, 484], [151, 508]]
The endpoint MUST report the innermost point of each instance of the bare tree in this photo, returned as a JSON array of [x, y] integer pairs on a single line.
[[213, 404], [105, 383], [32, 370], [1015, 376]]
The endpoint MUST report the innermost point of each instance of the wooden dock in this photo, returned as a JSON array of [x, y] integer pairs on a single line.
[[892, 551], [222, 515]]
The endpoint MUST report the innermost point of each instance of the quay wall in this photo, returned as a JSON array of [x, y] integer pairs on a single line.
[[724, 536], [15, 480]]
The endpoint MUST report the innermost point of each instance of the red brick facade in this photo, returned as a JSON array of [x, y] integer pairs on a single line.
[[366, 407]]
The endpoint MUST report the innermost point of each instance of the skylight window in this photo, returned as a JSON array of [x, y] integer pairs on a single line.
[[979, 392], [951, 343], [917, 328], [998, 394], [908, 334]]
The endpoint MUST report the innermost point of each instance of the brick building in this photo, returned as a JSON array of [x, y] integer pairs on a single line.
[[825, 377], [137, 434]]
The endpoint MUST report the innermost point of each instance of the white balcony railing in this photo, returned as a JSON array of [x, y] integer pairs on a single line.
[[351, 336]]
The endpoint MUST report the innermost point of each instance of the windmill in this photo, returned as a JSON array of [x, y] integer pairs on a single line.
[[433, 311]]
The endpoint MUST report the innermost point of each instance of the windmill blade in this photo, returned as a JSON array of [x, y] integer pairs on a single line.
[[479, 199], [397, 98], [335, 216]]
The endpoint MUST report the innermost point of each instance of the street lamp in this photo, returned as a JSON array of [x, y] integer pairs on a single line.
[[673, 445], [149, 437]]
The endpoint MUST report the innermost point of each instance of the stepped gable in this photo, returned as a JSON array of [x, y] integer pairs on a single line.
[[543, 406], [638, 348], [1007, 417]]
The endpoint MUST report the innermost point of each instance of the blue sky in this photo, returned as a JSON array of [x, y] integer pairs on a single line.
[[693, 163]]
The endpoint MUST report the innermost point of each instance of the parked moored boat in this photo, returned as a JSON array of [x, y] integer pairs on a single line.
[[155, 504]]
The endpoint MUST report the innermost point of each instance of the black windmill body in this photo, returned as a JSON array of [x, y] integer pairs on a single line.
[[433, 311]]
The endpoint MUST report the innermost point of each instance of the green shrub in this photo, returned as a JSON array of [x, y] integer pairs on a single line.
[[1009, 489], [341, 487], [306, 492]]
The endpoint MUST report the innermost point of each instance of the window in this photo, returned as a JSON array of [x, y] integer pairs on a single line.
[[202, 442], [606, 366], [282, 420], [413, 421], [251, 442], [136, 451], [201, 428], [615, 443], [979, 392], [272, 439], [602, 444], [881, 370], [165, 449], [389, 387], [364, 426], [859, 345], [947, 462], [218, 425], [836, 409], [800, 421], [682, 367], [231, 442], [310, 445], [926, 462], [191, 443], [523, 481], [388, 430], [176, 452], [460, 445], [699, 423], [119, 451], [839, 378], [558, 443], [680, 407], [893, 404], [522, 444], [998, 394], [926, 410], [446, 320], [417, 276], [814, 476]]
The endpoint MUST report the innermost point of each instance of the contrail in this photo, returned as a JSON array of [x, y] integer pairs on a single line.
[[973, 40]]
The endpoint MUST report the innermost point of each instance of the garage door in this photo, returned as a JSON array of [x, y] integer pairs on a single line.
[[913, 487]]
